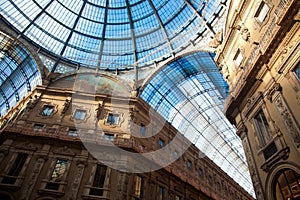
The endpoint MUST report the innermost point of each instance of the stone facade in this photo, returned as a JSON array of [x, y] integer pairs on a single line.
[[47, 133], [259, 57]]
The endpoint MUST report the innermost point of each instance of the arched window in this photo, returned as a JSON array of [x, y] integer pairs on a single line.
[[287, 186]]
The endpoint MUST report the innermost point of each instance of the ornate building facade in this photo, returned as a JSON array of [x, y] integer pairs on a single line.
[[259, 57], [63, 142]]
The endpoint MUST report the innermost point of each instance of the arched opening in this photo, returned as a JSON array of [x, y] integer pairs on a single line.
[[287, 185], [19, 73]]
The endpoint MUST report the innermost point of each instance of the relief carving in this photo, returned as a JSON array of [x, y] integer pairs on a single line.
[[252, 101], [276, 87], [33, 178], [288, 119], [253, 173], [77, 180], [27, 146], [64, 151], [66, 106], [98, 110], [244, 31]]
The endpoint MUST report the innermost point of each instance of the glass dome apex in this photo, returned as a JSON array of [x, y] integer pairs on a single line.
[[113, 33]]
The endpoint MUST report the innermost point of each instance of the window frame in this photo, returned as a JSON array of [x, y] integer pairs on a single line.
[[139, 188], [263, 139], [95, 187], [161, 143], [52, 184], [78, 114], [111, 119], [238, 58], [38, 127], [257, 16], [16, 168], [73, 132], [47, 114], [161, 192], [109, 137]]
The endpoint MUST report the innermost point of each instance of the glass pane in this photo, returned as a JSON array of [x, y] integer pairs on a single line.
[[113, 119], [59, 170], [138, 186], [47, 110], [80, 114], [99, 177]]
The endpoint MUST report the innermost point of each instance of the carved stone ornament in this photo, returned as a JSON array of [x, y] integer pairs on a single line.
[[66, 106], [33, 178], [252, 101], [254, 175], [216, 40], [32, 102], [98, 110], [76, 182], [64, 151], [276, 87], [288, 119], [241, 129], [27, 146], [244, 31]]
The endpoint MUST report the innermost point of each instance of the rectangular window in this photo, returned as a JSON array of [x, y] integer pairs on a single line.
[[189, 164], [47, 110], [262, 12], [161, 143], [200, 172], [270, 150], [38, 127], [175, 154], [73, 132], [113, 119], [109, 137], [98, 183], [79, 114], [161, 193], [238, 58], [57, 174], [143, 130], [262, 127], [138, 192], [15, 169]]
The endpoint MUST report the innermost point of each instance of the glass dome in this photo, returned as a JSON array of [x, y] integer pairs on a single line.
[[189, 93], [121, 34]]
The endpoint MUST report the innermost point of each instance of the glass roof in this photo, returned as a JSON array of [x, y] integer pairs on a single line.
[[189, 93], [18, 73], [121, 34]]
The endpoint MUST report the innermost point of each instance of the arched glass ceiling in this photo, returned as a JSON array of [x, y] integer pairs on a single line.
[[110, 34], [189, 93], [18, 73]]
